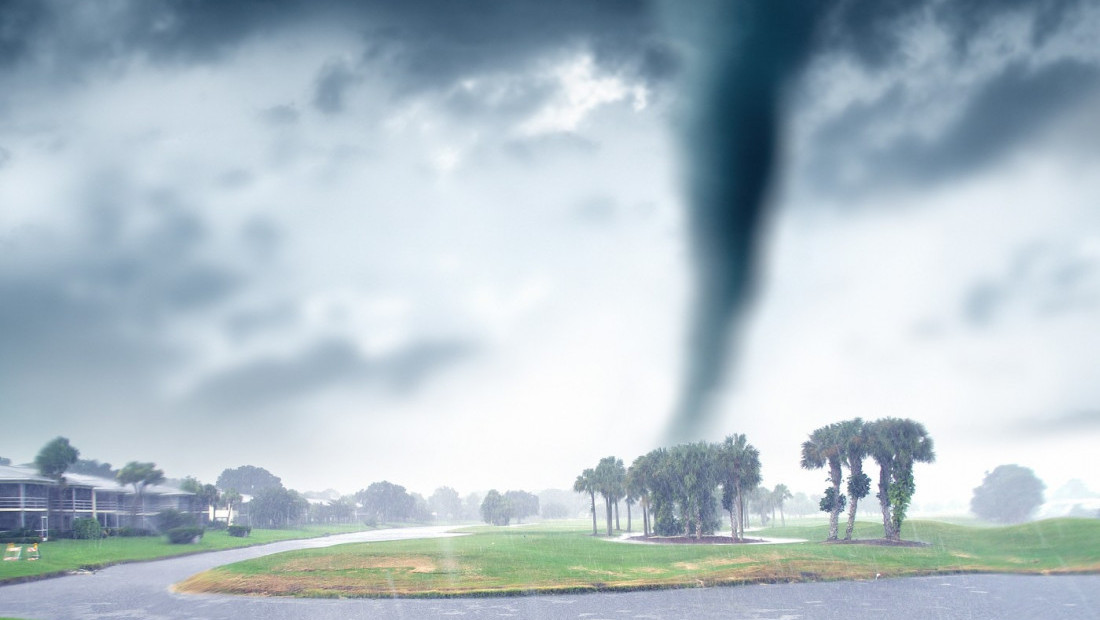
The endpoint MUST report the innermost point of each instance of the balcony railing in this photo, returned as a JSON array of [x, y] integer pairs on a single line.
[[80, 505], [33, 503]]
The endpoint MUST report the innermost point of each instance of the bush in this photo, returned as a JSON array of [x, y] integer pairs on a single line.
[[217, 525], [184, 535], [239, 531], [87, 529], [20, 537], [173, 519], [129, 532]]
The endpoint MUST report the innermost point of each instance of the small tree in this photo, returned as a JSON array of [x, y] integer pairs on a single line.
[[1008, 494], [140, 476], [52, 461]]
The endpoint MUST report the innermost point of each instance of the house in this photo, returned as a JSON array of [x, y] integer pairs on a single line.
[[28, 500]]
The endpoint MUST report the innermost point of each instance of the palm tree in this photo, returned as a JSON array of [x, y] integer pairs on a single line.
[[896, 444], [854, 436], [825, 447], [140, 475], [779, 495], [586, 483], [738, 464], [610, 478], [230, 498], [52, 461]]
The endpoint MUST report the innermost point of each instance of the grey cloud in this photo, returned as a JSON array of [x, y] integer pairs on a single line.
[[333, 363], [332, 82], [246, 324], [983, 302], [1045, 280], [280, 115], [1084, 421], [1004, 114], [5, 156], [537, 149]]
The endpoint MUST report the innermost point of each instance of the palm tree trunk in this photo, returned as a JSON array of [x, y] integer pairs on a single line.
[[884, 500], [593, 495], [834, 512], [855, 473], [628, 522], [617, 528], [607, 501], [733, 525]]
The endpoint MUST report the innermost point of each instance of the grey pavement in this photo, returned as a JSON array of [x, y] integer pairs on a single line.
[[142, 590]]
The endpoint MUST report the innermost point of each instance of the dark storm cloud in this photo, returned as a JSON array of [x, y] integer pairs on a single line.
[[749, 53], [1005, 113], [424, 45], [334, 363]]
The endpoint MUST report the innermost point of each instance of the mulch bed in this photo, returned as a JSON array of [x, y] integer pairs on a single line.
[[879, 542], [687, 540]]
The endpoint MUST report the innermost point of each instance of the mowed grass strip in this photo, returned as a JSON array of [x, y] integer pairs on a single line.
[[533, 559], [61, 556]]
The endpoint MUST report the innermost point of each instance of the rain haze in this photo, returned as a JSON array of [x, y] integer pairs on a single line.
[[470, 243]]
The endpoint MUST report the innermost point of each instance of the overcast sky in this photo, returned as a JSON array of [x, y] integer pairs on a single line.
[[444, 243]]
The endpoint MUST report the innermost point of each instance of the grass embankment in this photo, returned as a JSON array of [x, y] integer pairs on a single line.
[[536, 559], [60, 556]]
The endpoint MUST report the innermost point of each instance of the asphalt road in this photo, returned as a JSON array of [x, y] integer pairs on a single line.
[[142, 591]]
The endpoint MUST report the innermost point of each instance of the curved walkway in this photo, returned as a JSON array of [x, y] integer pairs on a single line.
[[141, 591]]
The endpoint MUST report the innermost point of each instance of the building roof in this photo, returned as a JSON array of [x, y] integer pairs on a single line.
[[19, 473]]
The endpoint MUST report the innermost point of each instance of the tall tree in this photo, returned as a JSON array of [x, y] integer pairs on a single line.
[[277, 507], [206, 495], [523, 504], [895, 445], [495, 508], [1008, 494], [140, 475], [610, 479], [386, 502], [698, 475], [52, 461], [853, 434], [446, 504], [248, 480], [738, 470], [230, 498], [586, 483], [637, 484], [825, 448]]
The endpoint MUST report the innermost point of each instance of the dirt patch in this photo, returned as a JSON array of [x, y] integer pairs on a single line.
[[415, 564], [715, 563]]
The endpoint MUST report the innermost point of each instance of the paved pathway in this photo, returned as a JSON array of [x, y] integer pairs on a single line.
[[142, 591]]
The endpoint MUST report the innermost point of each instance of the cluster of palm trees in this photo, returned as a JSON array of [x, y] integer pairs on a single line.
[[678, 488], [894, 444]]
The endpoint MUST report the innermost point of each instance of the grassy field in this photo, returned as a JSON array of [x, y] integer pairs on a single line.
[[539, 558], [67, 555]]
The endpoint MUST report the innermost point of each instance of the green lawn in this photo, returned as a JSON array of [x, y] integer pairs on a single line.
[[547, 558], [66, 555]]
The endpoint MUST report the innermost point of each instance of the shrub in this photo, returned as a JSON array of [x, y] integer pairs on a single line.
[[20, 536], [127, 532], [239, 531], [184, 535], [217, 525], [87, 529], [173, 519]]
